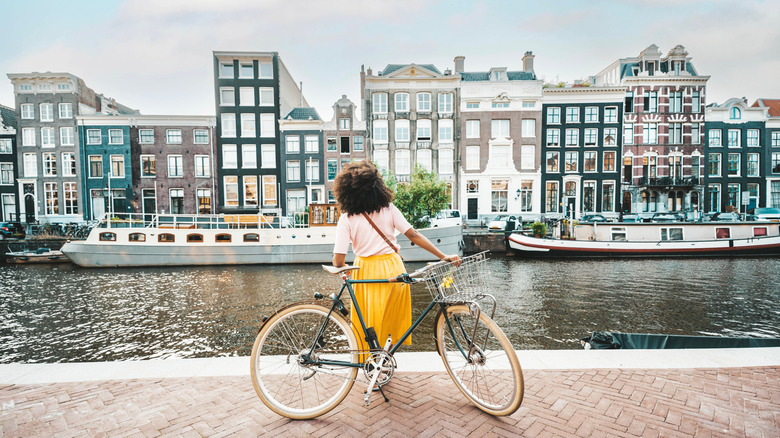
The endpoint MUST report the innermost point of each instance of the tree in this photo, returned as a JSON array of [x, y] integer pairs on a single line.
[[424, 196]]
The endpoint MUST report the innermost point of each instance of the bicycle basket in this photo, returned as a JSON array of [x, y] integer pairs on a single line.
[[466, 282]]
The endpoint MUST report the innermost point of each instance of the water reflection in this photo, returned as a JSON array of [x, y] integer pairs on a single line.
[[64, 313]]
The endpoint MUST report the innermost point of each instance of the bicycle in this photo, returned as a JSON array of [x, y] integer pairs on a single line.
[[307, 355]]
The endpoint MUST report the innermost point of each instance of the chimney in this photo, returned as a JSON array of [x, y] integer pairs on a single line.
[[459, 61], [528, 62], [363, 81]]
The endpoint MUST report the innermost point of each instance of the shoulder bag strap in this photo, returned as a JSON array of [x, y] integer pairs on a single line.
[[381, 233]]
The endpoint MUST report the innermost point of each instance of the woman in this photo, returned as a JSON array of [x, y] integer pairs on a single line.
[[361, 194]]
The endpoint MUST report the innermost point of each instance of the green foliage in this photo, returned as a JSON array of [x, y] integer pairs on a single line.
[[424, 196], [539, 229]]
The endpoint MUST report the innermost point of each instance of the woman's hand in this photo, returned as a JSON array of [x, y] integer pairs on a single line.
[[454, 258]]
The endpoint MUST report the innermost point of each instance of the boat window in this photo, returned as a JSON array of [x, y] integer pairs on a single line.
[[671, 234], [251, 237], [195, 238], [108, 236], [619, 234], [166, 237], [137, 237], [223, 238], [722, 233], [759, 231]]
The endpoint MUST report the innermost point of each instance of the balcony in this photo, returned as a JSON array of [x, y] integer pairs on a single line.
[[670, 182], [423, 144]]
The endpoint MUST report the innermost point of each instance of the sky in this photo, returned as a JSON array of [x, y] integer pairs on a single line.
[[156, 55]]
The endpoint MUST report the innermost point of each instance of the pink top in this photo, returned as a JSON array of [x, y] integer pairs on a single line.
[[365, 240]]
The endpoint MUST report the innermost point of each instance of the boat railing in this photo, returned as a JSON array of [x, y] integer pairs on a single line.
[[192, 221]]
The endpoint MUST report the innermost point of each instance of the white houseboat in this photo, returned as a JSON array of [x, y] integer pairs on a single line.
[[604, 239], [178, 240]]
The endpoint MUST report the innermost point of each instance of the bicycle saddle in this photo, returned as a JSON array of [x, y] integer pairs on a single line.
[[336, 271]]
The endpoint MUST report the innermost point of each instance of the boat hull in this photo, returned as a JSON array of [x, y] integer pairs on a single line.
[[275, 246], [538, 247], [32, 257]]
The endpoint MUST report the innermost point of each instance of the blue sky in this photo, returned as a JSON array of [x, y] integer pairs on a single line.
[[155, 55]]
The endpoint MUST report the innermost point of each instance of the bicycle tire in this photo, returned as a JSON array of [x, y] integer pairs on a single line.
[[493, 381], [293, 390]]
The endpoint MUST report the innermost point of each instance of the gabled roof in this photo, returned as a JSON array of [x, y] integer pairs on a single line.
[[7, 118], [303, 114], [395, 67], [485, 76], [772, 104]]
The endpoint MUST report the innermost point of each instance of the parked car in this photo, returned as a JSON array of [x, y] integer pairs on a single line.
[[446, 218], [765, 214], [11, 230], [593, 218], [503, 222], [726, 217], [667, 217]]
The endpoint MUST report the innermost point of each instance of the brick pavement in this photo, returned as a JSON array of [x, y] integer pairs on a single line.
[[597, 402]]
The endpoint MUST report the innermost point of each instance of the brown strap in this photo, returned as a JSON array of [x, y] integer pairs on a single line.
[[381, 233]]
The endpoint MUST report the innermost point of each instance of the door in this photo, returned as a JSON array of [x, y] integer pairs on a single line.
[[473, 208], [98, 204], [29, 208], [571, 204]]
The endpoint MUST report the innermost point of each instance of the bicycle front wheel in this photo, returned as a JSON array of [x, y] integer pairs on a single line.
[[481, 362], [291, 386]]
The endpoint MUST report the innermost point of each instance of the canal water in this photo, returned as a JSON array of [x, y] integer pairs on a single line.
[[64, 313]]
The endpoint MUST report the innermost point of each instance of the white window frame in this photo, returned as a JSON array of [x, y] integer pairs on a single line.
[[424, 102], [47, 137], [228, 125], [379, 101], [249, 156], [117, 140], [173, 136], [528, 128], [553, 115], [68, 164], [425, 159], [311, 144], [445, 131], [292, 144], [118, 162], [424, 132], [227, 96], [229, 156], [246, 96], [472, 128], [445, 103], [144, 137], [293, 168], [473, 157], [91, 139], [266, 96], [499, 128], [401, 102], [67, 136], [402, 131], [65, 110], [446, 161], [202, 165], [268, 156], [47, 112], [27, 111], [248, 127], [267, 125], [380, 131], [151, 159], [403, 162]]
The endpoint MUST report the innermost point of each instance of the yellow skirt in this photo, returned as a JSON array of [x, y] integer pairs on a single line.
[[385, 306]]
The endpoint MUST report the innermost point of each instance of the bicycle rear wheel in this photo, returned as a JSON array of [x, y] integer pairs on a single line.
[[297, 390], [488, 373]]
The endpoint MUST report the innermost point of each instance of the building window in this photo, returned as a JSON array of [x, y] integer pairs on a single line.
[[250, 191], [95, 166], [499, 195], [572, 114], [610, 114], [248, 156], [177, 205], [650, 133], [47, 112], [628, 133], [344, 124], [382, 159], [734, 138], [572, 158], [115, 136], [293, 171], [68, 164], [472, 186], [610, 136], [248, 125], [402, 162], [5, 146], [202, 166], [651, 102], [551, 197], [357, 143], [31, 165], [591, 136], [527, 156], [525, 193], [226, 70], [173, 136], [51, 198], [629, 103], [589, 162], [776, 165], [227, 96], [553, 137], [695, 133], [312, 170], [552, 161], [589, 196], [572, 137], [229, 156], [49, 165], [312, 144], [695, 102], [608, 196], [47, 137], [117, 166], [424, 130], [445, 103], [268, 156], [28, 111], [148, 166], [472, 129], [445, 131], [675, 102], [200, 136], [71, 198], [380, 103], [66, 110], [266, 97], [401, 102], [715, 139], [203, 198], [609, 161], [735, 113], [774, 192], [93, 136], [775, 139], [67, 137], [499, 105], [714, 165], [675, 133], [28, 136], [753, 164], [267, 125], [146, 136], [592, 114], [752, 137], [6, 173], [528, 128], [473, 158], [424, 102], [231, 191], [733, 165], [333, 168], [553, 115], [293, 144], [269, 191], [380, 132], [499, 128], [732, 196], [266, 70], [228, 125], [246, 96], [446, 161], [424, 159]]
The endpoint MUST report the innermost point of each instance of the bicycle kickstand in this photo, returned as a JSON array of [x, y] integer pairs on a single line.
[[375, 376]]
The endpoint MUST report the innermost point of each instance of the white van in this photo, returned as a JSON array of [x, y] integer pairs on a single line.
[[446, 218]]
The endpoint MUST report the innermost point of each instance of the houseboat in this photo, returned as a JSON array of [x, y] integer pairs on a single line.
[[663, 239], [179, 240]]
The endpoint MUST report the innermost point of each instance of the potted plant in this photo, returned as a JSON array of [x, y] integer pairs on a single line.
[[539, 229]]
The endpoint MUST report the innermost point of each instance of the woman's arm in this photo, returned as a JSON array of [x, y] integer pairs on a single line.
[[338, 259], [418, 239]]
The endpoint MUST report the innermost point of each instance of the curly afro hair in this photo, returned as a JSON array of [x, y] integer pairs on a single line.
[[359, 188]]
